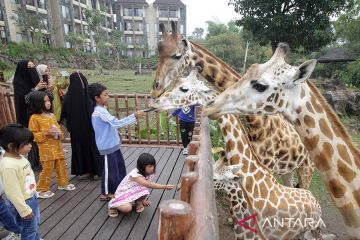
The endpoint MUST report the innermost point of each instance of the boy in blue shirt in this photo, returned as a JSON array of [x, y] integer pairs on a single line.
[[108, 141], [187, 121]]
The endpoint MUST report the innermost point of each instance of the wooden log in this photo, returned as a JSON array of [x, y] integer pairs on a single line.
[[193, 147], [196, 131], [186, 182], [175, 218], [147, 120], [190, 162], [202, 197]]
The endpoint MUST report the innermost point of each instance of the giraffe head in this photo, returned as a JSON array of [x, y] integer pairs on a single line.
[[267, 88], [187, 91], [174, 54], [222, 171]]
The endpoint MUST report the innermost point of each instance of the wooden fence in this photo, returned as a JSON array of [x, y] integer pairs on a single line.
[[194, 216], [152, 129]]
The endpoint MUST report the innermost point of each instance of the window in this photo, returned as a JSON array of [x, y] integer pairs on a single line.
[[2, 34], [173, 13], [128, 12], [139, 27], [67, 28], [41, 4], [147, 28], [30, 2], [138, 12], [182, 28], [128, 39], [128, 26], [86, 29], [65, 12], [19, 37], [1, 15], [15, 1], [163, 13], [129, 53], [76, 12], [156, 27]]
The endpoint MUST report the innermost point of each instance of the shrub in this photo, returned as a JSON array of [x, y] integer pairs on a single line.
[[350, 74]]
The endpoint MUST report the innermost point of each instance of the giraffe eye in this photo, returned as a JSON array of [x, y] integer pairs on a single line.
[[258, 86], [176, 56], [184, 89]]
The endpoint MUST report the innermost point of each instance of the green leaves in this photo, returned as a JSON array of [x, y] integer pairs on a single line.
[[300, 23]]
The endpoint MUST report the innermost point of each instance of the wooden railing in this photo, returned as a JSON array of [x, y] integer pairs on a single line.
[[152, 129], [194, 216]]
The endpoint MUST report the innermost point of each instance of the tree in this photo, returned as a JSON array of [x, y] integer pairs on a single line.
[[96, 21], [298, 22], [35, 24], [117, 44], [348, 24], [198, 33], [76, 40]]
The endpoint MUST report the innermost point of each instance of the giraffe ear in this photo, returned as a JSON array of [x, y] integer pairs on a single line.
[[304, 71]]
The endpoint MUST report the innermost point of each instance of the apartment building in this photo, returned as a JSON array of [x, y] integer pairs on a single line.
[[69, 16], [9, 29], [139, 21]]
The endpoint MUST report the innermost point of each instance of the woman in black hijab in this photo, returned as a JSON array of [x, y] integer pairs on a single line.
[[25, 80], [76, 111]]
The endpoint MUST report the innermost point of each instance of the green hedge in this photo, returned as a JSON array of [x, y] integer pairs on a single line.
[[350, 74]]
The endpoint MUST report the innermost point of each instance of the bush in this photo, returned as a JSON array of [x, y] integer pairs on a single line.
[[350, 75]]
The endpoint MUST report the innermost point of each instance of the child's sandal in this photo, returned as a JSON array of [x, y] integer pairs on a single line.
[[113, 212], [140, 208]]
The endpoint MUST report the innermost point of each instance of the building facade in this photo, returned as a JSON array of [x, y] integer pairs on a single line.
[[138, 21]]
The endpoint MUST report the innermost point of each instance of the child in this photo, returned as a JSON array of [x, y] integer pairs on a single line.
[[7, 220], [18, 179], [134, 187], [187, 123], [48, 135], [108, 141]]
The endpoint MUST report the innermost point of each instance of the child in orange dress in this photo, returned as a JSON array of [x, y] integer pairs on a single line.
[[48, 135]]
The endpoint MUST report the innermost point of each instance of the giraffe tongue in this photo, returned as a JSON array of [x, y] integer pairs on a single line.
[[149, 110]]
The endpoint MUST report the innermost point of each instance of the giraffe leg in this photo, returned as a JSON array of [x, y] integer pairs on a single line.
[[287, 179], [305, 172]]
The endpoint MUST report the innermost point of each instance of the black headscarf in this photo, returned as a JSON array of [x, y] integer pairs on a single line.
[[77, 107], [24, 80]]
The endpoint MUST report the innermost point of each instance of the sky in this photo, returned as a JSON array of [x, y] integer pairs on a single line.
[[200, 11]]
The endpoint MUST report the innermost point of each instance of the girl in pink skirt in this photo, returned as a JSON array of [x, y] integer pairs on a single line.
[[134, 187]]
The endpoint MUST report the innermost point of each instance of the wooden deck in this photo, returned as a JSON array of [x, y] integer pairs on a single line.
[[80, 215]]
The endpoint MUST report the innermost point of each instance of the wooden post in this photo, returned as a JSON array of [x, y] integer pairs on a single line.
[[196, 131], [190, 162], [175, 218], [193, 147], [186, 182], [147, 120]]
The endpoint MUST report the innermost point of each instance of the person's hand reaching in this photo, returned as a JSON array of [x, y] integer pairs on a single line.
[[40, 85], [169, 186]]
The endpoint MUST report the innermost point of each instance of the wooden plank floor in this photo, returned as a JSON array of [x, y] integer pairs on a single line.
[[80, 215]]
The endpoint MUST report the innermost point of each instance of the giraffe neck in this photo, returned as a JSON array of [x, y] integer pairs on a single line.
[[213, 69], [239, 151], [334, 155]]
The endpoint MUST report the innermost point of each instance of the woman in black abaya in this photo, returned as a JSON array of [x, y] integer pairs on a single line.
[[76, 111], [25, 80]]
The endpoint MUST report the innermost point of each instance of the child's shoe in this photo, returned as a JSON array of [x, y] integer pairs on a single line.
[[185, 151], [113, 212], [69, 187], [47, 194]]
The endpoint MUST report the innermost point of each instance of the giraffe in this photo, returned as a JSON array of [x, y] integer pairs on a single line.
[[272, 136], [276, 87], [299, 203], [238, 205]]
